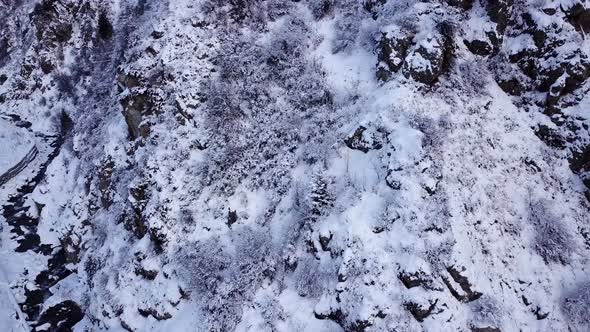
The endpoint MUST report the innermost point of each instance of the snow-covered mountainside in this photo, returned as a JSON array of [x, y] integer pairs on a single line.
[[309, 165]]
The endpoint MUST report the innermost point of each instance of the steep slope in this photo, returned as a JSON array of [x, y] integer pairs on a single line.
[[319, 165]]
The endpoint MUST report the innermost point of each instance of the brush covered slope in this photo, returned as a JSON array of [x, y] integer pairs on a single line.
[[312, 165]]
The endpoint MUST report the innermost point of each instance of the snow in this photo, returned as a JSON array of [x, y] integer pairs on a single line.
[[10, 316]]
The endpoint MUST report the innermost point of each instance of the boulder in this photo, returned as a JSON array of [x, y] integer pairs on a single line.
[[483, 46], [425, 63], [105, 28], [61, 317], [463, 4], [365, 139], [499, 12], [392, 49], [578, 16], [416, 279], [511, 86], [104, 182], [420, 312], [135, 106], [467, 294], [485, 329]]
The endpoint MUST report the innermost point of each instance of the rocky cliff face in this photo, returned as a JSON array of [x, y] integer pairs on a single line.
[[314, 165]]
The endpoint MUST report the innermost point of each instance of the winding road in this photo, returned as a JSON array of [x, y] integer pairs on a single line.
[[20, 166]]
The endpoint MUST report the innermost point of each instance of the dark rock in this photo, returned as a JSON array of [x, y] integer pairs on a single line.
[[580, 164], [425, 63], [28, 242], [126, 326], [158, 238], [545, 78], [429, 190], [151, 51], [358, 326], [33, 302], [378, 229], [232, 217], [391, 51], [139, 192], [564, 81], [325, 241], [578, 16], [127, 81], [551, 137], [104, 182], [62, 316], [63, 32], [533, 165], [463, 4], [134, 218], [485, 329], [334, 315], [469, 294], [43, 14], [135, 106], [499, 12], [147, 274], [157, 34], [479, 47], [105, 28], [135, 222], [199, 24], [540, 314], [511, 86], [363, 141], [339, 317], [430, 57], [3, 79], [15, 213], [420, 312], [154, 313], [392, 181], [416, 279], [484, 47], [577, 73], [4, 47], [46, 66]]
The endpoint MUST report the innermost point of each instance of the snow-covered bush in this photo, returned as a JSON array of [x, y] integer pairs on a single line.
[[487, 312], [220, 276], [292, 111], [347, 27], [320, 8], [576, 305], [475, 76], [312, 276], [203, 266], [552, 239]]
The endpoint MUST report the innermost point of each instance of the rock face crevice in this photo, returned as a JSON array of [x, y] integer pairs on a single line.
[[25, 229]]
